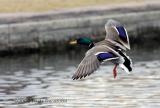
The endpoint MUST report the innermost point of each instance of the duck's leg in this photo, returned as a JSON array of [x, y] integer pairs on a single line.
[[115, 71]]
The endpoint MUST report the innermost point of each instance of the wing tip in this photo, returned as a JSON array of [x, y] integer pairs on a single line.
[[79, 77], [74, 77]]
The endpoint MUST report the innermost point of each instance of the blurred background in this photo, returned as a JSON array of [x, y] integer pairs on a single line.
[[37, 62]]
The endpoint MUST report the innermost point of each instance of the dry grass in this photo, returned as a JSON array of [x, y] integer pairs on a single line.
[[7, 6]]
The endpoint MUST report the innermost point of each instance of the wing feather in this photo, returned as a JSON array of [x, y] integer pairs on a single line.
[[86, 67]]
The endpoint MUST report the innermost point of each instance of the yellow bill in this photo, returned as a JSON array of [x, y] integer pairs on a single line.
[[73, 42]]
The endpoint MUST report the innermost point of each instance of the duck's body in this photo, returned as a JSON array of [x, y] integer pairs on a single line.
[[111, 49]]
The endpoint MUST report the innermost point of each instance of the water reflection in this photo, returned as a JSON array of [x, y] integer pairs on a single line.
[[48, 77]]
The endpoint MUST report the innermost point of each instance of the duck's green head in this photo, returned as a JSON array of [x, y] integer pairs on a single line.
[[82, 41]]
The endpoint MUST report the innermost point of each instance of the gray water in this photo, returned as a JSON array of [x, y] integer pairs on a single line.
[[45, 81]]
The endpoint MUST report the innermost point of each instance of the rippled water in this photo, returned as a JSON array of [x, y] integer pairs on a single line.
[[45, 81]]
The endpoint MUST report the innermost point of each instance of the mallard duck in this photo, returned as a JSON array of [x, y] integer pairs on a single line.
[[112, 48]]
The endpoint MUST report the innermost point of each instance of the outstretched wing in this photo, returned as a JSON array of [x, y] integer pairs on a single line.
[[116, 32], [87, 66], [93, 59]]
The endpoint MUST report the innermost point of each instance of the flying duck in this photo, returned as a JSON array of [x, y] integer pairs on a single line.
[[112, 49]]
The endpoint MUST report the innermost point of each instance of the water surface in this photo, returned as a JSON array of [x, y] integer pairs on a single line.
[[45, 81]]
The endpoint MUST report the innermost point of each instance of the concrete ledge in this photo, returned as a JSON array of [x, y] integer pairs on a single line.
[[36, 34]]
